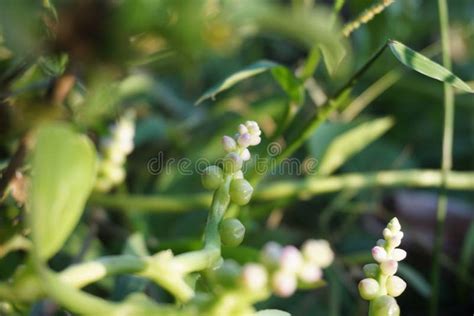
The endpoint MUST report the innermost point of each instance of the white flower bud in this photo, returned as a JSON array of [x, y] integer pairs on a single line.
[[291, 259], [255, 140], [245, 154], [387, 233], [243, 129], [239, 175], [232, 163], [310, 273], [254, 276], [253, 128], [371, 270], [229, 144], [381, 243], [271, 254], [115, 173], [379, 254], [396, 239], [389, 267], [368, 289], [244, 140], [394, 225], [283, 283], [385, 306], [318, 252], [395, 286], [398, 254]]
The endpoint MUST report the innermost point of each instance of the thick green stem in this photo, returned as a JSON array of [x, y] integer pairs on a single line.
[[446, 163]]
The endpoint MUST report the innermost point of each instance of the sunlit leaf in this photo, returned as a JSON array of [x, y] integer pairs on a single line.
[[64, 167], [289, 83], [351, 142], [426, 66]]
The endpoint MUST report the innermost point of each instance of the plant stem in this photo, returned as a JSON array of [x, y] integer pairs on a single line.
[[446, 158], [306, 188]]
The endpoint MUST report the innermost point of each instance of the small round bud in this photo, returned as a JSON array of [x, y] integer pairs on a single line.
[[379, 254], [396, 239], [239, 175], [371, 270], [271, 254], [291, 259], [232, 232], [244, 140], [398, 254], [381, 243], [394, 225], [228, 273], [389, 267], [253, 128], [368, 289], [232, 163], [245, 154], [243, 129], [254, 276], [387, 233], [318, 252], [240, 191], [395, 286], [385, 306], [255, 140], [115, 173], [283, 283], [229, 144], [212, 177], [310, 273]]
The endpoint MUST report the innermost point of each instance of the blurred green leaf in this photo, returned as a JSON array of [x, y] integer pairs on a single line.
[[426, 66], [272, 312], [415, 279], [351, 142], [249, 71], [467, 252], [64, 167], [289, 83]]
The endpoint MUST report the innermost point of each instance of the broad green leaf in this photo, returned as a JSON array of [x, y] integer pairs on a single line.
[[272, 312], [289, 83], [351, 142], [64, 168], [250, 71], [426, 66]]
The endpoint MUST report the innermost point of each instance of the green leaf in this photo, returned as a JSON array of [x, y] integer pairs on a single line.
[[415, 279], [289, 83], [351, 142], [426, 66], [272, 312], [249, 71], [64, 168]]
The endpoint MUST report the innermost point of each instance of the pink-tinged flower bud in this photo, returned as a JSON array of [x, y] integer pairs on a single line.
[[284, 283], [387, 233], [371, 270], [398, 254], [310, 273], [385, 306], [254, 276], [379, 254], [381, 243], [232, 163], [394, 225], [243, 129], [395, 286], [229, 144], [245, 154], [290, 259], [244, 140], [253, 128], [318, 252], [389, 267], [368, 289], [396, 239], [271, 254]]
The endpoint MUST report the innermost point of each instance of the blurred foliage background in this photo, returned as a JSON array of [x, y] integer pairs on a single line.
[[89, 61]]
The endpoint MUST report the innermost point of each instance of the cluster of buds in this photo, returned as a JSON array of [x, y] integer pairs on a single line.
[[282, 269], [381, 285], [114, 150], [237, 152]]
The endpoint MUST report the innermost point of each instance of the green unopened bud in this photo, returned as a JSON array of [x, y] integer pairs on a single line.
[[232, 232], [368, 289], [395, 286], [232, 163], [385, 306], [371, 270], [212, 177], [394, 225], [240, 191], [228, 273]]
